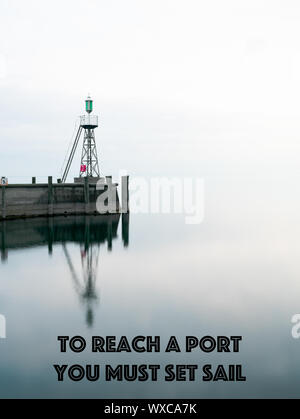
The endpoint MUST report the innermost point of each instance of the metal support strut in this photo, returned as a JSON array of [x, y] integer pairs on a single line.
[[70, 159]]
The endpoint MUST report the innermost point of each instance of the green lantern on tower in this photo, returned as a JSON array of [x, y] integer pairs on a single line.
[[89, 105]]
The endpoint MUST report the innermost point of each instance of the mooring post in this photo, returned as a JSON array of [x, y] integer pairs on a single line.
[[3, 188], [34, 180], [50, 196], [125, 194]]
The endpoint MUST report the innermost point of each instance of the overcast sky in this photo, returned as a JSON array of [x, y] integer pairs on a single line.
[[181, 86]]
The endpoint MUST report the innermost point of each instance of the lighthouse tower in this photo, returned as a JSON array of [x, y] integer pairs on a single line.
[[89, 165]]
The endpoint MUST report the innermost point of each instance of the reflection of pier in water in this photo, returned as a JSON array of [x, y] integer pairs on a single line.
[[88, 231]]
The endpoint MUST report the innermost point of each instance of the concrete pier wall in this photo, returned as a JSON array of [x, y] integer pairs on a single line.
[[46, 199]]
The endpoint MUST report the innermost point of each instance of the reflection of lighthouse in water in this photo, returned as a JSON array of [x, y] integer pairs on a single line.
[[89, 232], [85, 284], [86, 288]]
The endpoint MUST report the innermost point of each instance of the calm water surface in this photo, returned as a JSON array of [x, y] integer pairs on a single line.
[[237, 273]]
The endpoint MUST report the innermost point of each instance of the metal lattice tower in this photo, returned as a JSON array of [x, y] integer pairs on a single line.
[[89, 159]]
